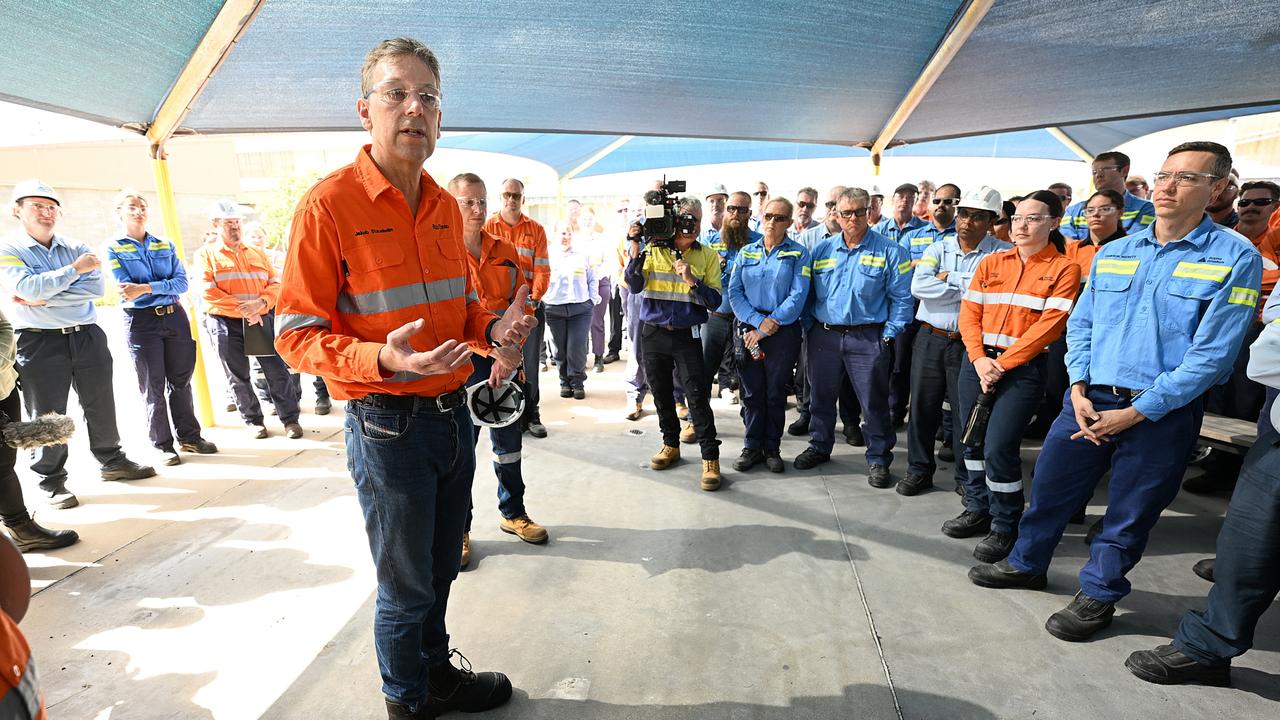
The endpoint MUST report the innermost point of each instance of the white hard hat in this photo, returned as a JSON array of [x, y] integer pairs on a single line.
[[984, 198], [717, 189], [495, 407], [875, 190], [225, 209], [34, 188]]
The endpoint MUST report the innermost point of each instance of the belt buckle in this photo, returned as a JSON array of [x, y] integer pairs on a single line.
[[69, 330]]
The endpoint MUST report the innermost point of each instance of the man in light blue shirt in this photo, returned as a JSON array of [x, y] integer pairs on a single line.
[[901, 220], [53, 282], [1109, 172], [806, 203], [938, 282], [1159, 323]]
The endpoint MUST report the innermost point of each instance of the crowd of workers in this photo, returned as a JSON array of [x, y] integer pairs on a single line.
[[1106, 326]]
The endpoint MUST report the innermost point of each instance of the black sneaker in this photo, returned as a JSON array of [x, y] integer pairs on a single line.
[[913, 484], [1165, 665], [994, 547], [799, 427], [1080, 619], [749, 458], [126, 469], [967, 524], [853, 436], [1004, 575], [566, 392], [1204, 569], [451, 688], [773, 461], [810, 458], [199, 445], [878, 477]]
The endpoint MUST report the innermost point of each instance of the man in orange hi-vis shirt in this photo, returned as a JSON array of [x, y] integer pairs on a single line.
[[20, 696], [377, 299], [240, 286], [530, 240]]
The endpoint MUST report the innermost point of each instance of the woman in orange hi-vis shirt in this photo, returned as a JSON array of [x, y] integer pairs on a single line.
[[1016, 305]]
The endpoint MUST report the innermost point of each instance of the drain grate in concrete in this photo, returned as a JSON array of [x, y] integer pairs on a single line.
[[635, 432]]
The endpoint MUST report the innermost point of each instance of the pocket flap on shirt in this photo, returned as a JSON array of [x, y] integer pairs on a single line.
[[1108, 282], [1193, 289], [372, 257]]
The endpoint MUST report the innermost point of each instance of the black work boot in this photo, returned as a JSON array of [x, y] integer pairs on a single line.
[[749, 458], [799, 427], [1165, 665], [451, 688], [1004, 575], [126, 469], [29, 536], [878, 477], [1204, 569], [967, 524], [396, 711], [994, 547], [1080, 619], [914, 484]]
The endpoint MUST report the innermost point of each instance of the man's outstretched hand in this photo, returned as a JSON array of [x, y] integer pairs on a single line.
[[514, 325], [397, 355]]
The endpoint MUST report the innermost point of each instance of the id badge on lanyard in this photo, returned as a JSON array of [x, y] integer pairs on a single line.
[[697, 332]]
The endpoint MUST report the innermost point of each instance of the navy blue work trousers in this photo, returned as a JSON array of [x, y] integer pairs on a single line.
[[164, 356], [865, 357]]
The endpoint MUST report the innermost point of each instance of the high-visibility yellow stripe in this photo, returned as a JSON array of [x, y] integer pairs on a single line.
[[789, 253], [904, 267], [824, 264], [1202, 271], [1243, 296], [115, 264], [873, 260], [751, 255], [160, 245], [923, 240], [1129, 215], [125, 248], [929, 261], [11, 261], [805, 271], [1117, 267]]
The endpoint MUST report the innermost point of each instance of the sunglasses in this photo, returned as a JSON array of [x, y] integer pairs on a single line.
[[512, 196], [968, 214], [761, 193], [859, 212], [830, 204], [771, 217], [946, 201], [1260, 202], [737, 209], [803, 205]]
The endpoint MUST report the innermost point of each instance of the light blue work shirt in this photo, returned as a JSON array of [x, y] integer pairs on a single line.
[[33, 272], [869, 284], [1167, 321], [770, 284], [727, 257], [888, 227], [1138, 214], [940, 299], [918, 240], [793, 233], [152, 261], [814, 235]]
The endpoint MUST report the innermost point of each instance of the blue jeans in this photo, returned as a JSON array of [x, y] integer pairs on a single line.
[[993, 477], [1147, 462], [507, 445], [764, 387], [865, 358], [570, 325], [413, 472], [1245, 577]]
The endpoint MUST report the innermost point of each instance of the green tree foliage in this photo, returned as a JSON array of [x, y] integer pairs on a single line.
[[276, 212]]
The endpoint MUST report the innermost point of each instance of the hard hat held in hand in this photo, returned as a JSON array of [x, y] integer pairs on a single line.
[[495, 407]]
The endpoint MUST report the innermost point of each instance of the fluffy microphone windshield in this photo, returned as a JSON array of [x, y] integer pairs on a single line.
[[51, 429]]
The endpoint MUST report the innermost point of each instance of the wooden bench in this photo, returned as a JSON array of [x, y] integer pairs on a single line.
[[1228, 434]]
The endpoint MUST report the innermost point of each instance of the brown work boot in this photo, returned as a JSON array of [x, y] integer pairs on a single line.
[[665, 458], [637, 412], [689, 434], [682, 412], [466, 550], [524, 528], [710, 475]]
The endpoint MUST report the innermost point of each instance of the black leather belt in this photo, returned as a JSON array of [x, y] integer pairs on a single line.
[[155, 310], [668, 328], [58, 331], [414, 403], [852, 328], [1117, 391], [992, 351], [940, 332], [722, 316]]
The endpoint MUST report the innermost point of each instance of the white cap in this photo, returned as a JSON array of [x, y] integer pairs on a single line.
[[34, 188], [225, 209], [717, 190], [875, 190], [984, 198]]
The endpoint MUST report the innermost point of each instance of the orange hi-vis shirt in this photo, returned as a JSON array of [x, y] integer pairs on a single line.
[[20, 695], [496, 275], [1268, 244], [232, 276], [1016, 306], [530, 240], [360, 266]]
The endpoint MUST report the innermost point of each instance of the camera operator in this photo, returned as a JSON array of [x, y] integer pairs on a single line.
[[678, 280]]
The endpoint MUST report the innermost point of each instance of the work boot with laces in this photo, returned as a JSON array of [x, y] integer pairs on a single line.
[[710, 475], [524, 528], [665, 458]]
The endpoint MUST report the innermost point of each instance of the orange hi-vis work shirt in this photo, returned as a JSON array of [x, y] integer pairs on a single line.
[[232, 276], [1268, 244], [530, 240], [359, 267], [19, 691], [496, 275], [1016, 306]]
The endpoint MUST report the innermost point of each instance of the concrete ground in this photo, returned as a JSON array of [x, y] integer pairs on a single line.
[[239, 586]]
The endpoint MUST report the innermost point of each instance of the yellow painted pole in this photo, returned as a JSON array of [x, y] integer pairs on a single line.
[[169, 210], [875, 164]]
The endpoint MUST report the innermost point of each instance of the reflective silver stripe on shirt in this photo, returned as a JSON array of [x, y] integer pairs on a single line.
[[24, 699], [998, 340], [542, 261], [380, 301], [255, 275], [404, 376], [686, 297], [293, 322], [527, 252], [246, 296]]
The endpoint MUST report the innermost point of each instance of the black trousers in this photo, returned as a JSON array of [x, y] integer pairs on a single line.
[[12, 509], [615, 320], [228, 337], [678, 350], [935, 372], [49, 365]]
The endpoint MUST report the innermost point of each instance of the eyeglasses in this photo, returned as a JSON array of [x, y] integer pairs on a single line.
[[134, 208], [771, 217], [429, 97], [42, 207], [512, 196], [830, 204], [624, 210], [1031, 219], [858, 212], [1184, 179], [1104, 210], [761, 193], [1103, 170], [1260, 202], [737, 209], [803, 205], [471, 204], [946, 201]]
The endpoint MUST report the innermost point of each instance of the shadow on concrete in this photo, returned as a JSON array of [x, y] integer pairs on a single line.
[[153, 697], [717, 550]]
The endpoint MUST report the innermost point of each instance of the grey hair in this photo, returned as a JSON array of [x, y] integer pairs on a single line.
[[807, 191], [688, 204], [855, 194], [389, 48]]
